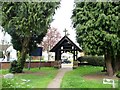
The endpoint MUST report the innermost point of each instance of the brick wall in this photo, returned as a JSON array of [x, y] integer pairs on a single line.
[[6, 65], [37, 64]]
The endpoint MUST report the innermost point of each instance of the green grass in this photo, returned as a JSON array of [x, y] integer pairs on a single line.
[[0, 84], [75, 79], [4, 71], [38, 78]]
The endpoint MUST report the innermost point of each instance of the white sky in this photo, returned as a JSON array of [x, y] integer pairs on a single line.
[[61, 20], [6, 38]]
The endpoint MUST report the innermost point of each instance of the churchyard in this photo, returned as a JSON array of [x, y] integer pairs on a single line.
[[97, 32], [54, 74], [82, 77]]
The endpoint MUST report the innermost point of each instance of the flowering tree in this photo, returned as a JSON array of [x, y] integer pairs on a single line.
[[51, 38]]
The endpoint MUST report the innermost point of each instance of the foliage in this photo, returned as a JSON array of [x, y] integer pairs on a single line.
[[93, 60], [20, 21], [51, 38], [95, 24], [97, 29], [76, 78], [0, 13], [13, 67], [27, 23]]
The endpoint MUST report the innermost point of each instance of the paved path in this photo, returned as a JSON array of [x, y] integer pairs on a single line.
[[57, 80]]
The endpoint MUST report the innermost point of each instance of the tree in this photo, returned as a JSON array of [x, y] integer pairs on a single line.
[[27, 23], [0, 13], [118, 51], [51, 38], [96, 30]]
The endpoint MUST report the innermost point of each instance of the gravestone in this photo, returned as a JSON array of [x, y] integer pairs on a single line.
[[109, 81], [9, 75]]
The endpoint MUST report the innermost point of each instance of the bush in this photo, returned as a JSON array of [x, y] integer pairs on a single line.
[[118, 75], [93, 60], [15, 67]]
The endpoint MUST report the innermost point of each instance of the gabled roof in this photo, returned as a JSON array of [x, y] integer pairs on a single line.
[[60, 44]]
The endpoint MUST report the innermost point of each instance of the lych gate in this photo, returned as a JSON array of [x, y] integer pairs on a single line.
[[65, 45]]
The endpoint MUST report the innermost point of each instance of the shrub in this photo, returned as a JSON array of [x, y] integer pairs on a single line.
[[15, 68], [118, 75], [92, 60]]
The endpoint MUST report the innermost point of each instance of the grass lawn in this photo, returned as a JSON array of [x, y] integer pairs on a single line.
[[33, 78], [75, 78]]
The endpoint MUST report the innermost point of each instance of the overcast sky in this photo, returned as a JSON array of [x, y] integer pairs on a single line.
[[6, 38], [61, 20]]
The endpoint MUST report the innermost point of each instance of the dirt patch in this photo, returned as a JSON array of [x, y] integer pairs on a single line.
[[99, 75], [32, 73], [29, 72]]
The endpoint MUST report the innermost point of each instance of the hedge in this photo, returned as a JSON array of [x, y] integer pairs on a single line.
[[92, 60]]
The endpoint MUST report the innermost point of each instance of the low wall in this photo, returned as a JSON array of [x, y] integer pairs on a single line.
[[6, 65], [37, 64]]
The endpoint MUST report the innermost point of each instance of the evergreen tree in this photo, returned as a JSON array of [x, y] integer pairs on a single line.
[[27, 23], [97, 31]]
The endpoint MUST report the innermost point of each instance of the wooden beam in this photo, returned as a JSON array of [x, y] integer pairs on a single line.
[[68, 49]]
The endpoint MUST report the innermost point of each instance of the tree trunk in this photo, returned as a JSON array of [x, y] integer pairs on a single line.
[[117, 67], [108, 62], [22, 59], [113, 58]]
